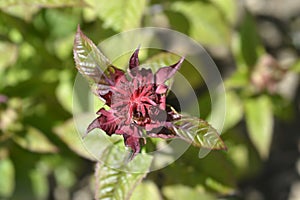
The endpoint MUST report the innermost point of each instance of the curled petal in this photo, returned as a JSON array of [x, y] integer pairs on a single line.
[[165, 73], [132, 137], [133, 143], [106, 121]]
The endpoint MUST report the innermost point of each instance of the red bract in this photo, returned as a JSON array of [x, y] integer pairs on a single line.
[[137, 103]]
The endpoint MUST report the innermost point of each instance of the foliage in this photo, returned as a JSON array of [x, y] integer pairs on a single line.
[[41, 150]]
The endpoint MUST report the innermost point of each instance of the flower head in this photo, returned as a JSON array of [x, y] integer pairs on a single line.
[[137, 101]]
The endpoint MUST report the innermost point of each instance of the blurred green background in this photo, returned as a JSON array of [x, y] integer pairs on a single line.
[[256, 46]]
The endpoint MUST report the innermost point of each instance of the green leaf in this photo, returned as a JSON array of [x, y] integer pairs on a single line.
[[121, 15], [7, 180], [259, 119], [26, 9], [147, 190], [90, 62], [234, 110], [42, 3], [198, 132], [64, 90], [296, 67], [68, 134], [207, 23], [249, 42], [174, 192], [35, 141], [116, 178], [8, 54], [228, 9]]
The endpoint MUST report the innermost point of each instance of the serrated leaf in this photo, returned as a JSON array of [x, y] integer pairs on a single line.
[[116, 178], [198, 132], [92, 64], [35, 141], [121, 15], [259, 119], [7, 180], [207, 24]]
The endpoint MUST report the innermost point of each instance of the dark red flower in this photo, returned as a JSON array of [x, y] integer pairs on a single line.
[[137, 101]]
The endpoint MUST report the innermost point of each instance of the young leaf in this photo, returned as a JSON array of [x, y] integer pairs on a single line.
[[259, 119], [92, 64], [115, 177], [198, 132]]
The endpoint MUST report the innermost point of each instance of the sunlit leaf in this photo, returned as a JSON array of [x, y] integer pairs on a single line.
[[8, 54], [34, 140], [121, 15], [259, 119], [68, 134], [42, 3], [147, 191], [174, 192], [7, 180], [64, 91], [207, 24], [39, 183], [218, 186], [198, 132], [228, 9], [26, 9], [115, 177]]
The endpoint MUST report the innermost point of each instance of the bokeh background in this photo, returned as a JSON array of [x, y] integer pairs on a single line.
[[255, 45]]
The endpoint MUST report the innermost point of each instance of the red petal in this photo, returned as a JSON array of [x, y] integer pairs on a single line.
[[133, 143], [106, 121], [165, 73]]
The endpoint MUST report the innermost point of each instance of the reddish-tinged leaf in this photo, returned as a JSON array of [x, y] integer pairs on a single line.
[[92, 64], [198, 132]]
